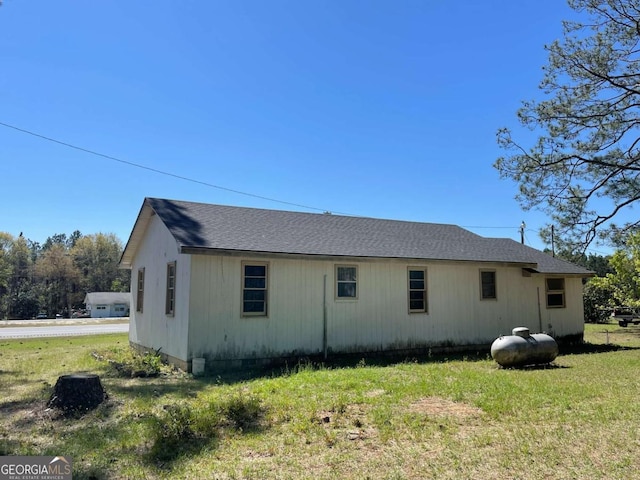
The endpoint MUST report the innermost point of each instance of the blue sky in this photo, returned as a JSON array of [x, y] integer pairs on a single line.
[[385, 109]]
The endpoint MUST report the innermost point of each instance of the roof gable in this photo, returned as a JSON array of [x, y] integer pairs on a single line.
[[200, 226]]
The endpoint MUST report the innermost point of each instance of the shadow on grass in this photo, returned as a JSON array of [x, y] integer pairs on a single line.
[[165, 452], [346, 361], [9, 446], [35, 397], [588, 348], [21, 415], [531, 368], [154, 388], [29, 420], [13, 405], [293, 366]]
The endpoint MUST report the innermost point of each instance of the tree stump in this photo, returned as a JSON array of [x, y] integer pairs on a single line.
[[77, 393]]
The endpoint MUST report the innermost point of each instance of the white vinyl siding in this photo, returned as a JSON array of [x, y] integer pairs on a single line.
[[299, 300], [151, 327]]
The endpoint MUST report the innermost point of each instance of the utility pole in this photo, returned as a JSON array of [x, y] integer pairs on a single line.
[[553, 246], [522, 227]]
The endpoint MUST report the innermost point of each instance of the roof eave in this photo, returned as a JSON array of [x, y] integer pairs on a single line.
[[191, 250], [586, 274], [137, 234]]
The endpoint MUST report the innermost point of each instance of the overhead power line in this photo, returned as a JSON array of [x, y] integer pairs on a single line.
[[478, 226], [162, 172], [200, 182]]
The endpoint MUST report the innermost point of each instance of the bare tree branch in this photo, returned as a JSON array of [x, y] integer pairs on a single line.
[[590, 124]]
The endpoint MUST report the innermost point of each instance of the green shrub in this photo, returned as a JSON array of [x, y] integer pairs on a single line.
[[172, 432], [126, 362], [598, 300], [242, 411], [186, 428], [150, 364], [177, 422]]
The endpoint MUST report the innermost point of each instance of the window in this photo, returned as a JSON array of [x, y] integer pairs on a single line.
[[555, 292], [254, 289], [140, 292], [417, 290], [170, 302], [488, 284], [101, 307], [346, 286]]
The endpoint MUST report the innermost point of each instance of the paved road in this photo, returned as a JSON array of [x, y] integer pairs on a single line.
[[62, 330]]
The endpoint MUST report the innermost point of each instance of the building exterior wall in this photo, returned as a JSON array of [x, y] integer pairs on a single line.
[[569, 321], [119, 310], [99, 310], [152, 327], [106, 310], [377, 320]]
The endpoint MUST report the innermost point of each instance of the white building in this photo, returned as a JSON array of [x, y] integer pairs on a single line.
[[107, 304], [241, 285]]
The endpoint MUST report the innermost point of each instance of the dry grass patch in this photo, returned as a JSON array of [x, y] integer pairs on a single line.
[[351, 422], [441, 407], [375, 393]]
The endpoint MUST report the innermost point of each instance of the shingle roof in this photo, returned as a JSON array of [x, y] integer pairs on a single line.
[[545, 262], [218, 227]]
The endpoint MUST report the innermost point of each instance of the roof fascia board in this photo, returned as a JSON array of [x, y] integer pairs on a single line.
[[340, 258], [536, 272], [563, 275], [137, 234]]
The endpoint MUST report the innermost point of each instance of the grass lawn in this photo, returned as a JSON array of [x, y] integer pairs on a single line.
[[441, 418]]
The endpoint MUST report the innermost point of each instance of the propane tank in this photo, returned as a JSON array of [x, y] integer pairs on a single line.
[[522, 348]]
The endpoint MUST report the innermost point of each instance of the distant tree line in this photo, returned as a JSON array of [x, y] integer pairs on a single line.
[[616, 282], [617, 287], [54, 277]]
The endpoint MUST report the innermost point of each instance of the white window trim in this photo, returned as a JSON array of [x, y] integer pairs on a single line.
[[140, 291], [170, 312], [265, 312], [495, 284], [337, 282], [563, 292], [425, 290]]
